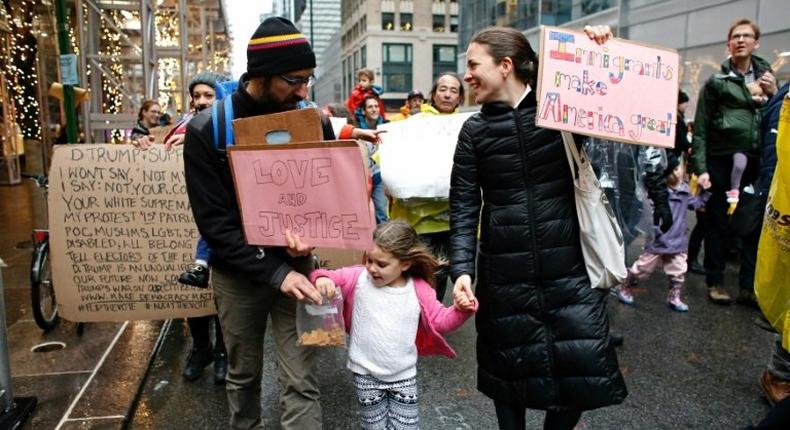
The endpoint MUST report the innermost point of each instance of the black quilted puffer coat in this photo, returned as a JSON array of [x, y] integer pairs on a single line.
[[542, 331]]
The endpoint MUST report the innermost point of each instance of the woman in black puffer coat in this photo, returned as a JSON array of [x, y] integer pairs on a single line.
[[543, 335]]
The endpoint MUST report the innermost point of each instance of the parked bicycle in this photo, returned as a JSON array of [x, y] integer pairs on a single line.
[[42, 291]]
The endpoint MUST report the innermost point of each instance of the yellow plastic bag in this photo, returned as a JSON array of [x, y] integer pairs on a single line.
[[773, 254]]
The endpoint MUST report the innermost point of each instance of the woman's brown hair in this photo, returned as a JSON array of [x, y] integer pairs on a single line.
[[501, 42], [399, 239], [145, 108]]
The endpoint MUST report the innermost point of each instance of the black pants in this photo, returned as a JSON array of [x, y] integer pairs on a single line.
[[199, 327], [717, 220], [698, 235], [439, 244], [512, 417]]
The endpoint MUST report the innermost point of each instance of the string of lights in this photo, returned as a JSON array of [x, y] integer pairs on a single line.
[[21, 72]]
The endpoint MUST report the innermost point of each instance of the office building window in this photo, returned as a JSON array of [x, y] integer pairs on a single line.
[[406, 21], [454, 23], [438, 23], [556, 12], [444, 59], [387, 21], [397, 65], [363, 56]]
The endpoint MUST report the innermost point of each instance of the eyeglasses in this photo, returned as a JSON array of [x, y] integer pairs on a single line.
[[745, 36], [294, 81]]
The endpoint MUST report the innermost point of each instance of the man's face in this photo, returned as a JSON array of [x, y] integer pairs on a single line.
[[372, 111], [151, 116], [742, 42], [280, 95], [448, 94], [203, 96]]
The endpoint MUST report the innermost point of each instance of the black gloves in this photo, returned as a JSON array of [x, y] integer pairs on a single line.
[[662, 217]]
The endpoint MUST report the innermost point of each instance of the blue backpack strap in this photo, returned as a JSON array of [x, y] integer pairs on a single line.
[[229, 138], [221, 118]]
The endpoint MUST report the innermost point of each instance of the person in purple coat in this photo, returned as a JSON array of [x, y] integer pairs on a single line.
[[669, 248]]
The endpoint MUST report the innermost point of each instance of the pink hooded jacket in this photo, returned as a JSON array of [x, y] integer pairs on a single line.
[[435, 319]]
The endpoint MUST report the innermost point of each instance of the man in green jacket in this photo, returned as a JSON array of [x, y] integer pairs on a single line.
[[727, 122]]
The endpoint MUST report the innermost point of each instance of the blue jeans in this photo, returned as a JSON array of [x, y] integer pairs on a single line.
[[379, 199], [202, 251]]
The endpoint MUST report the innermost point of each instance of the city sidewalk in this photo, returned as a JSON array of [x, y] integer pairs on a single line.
[[81, 381]]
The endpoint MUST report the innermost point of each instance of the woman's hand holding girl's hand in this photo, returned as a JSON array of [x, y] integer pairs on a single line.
[[599, 33], [463, 297], [326, 287]]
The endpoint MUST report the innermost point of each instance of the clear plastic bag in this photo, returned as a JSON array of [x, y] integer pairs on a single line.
[[321, 325]]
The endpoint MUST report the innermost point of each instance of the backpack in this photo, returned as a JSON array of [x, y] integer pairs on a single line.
[[222, 117]]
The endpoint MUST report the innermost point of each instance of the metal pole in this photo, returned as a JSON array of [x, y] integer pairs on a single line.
[[68, 90], [312, 45], [13, 412]]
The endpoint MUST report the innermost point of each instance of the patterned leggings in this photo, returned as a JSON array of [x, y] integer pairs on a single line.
[[387, 405]]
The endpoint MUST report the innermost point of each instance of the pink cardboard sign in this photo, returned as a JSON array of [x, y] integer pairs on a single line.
[[316, 190], [621, 90]]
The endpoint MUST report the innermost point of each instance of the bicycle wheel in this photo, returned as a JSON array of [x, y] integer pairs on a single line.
[[45, 306]]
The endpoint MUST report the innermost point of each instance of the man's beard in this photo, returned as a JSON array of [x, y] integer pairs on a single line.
[[267, 103]]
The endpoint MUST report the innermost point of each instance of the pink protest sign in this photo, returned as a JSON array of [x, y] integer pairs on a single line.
[[621, 90], [317, 190]]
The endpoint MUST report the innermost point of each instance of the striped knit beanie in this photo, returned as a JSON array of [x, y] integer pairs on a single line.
[[278, 47]]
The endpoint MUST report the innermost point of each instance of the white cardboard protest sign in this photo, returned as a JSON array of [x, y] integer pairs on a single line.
[[417, 155]]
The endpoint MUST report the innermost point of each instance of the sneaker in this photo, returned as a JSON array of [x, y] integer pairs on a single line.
[[220, 368], [198, 359], [674, 302], [196, 276], [775, 389], [623, 293], [747, 298], [732, 199], [719, 296]]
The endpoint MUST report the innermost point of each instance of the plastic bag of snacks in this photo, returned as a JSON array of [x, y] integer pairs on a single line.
[[321, 325]]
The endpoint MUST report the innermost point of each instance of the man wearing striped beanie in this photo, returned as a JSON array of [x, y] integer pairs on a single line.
[[251, 283]]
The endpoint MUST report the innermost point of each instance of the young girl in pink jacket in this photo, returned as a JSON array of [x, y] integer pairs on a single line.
[[392, 316]]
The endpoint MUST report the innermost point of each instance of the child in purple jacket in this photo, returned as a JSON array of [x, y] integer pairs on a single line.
[[392, 315], [670, 248]]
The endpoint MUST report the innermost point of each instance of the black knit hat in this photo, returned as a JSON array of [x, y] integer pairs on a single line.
[[206, 78], [278, 47], [682, 97], [672, 162]]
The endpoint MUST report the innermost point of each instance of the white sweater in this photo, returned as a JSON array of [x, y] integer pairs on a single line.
[[383, 331]]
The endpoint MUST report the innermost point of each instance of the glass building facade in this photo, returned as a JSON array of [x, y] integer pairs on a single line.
[[523, 14]]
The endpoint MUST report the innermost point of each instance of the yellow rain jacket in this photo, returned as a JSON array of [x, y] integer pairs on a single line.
[[773, 254]]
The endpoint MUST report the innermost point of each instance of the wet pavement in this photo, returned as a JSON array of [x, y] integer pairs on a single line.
[[81, 381], [684, 371]]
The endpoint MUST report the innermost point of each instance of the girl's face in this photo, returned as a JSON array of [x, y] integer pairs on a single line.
[[483, 74], [384, 269], [677, 175]]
